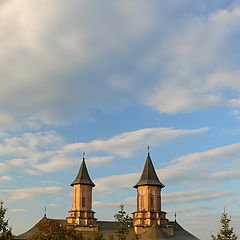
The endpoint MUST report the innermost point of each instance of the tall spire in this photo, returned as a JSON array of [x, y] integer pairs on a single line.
[[149, 176], [83, 176]]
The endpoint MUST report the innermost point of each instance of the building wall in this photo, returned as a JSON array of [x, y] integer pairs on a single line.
[[149, 198], [82, 197]]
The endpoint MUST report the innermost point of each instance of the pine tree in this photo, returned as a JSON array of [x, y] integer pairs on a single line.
[[122, 223], [225, 233], [5, 230]]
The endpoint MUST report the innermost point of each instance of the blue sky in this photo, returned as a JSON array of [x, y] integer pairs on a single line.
[[109, 78]]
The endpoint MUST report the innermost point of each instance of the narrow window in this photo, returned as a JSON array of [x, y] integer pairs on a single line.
[[151, 202], [83, 201]]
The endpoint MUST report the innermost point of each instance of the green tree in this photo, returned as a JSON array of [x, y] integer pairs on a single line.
[[135, 237], [98, 236], [122, 223], [72, 234], [110, 237], [48, 229], [5, 230], [225, 232]]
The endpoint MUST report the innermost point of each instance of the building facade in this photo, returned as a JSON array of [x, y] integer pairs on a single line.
[[149, 221]]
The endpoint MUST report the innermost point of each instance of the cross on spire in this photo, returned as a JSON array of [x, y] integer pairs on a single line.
[[175, 216], [45, 211], [148, 148], [83, 155]]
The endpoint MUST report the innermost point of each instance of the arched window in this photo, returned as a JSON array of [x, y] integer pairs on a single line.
[[83, 201]]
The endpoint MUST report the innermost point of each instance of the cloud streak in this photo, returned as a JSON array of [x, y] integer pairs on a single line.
[[27, 193], [48, 151], [192, 169]]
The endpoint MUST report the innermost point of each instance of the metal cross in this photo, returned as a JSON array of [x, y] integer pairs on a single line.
[[148, 148], [45, 212]]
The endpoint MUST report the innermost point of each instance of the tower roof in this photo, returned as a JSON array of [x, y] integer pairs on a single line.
[[149, 176], [83, 176]]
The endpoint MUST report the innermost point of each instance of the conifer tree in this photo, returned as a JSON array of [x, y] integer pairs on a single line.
[[122, 223], [5, 230], [225, 232]]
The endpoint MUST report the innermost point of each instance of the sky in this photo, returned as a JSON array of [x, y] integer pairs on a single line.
[[110, 78]]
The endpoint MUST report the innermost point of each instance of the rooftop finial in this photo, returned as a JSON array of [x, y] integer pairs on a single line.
[[175, 216], [148, 149], [45, 212], [83, 155]]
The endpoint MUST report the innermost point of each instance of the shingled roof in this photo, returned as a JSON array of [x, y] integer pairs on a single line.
[[149, 176], [83, 176]]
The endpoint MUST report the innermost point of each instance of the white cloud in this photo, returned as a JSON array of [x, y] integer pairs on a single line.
[[188, 209], [47, 151], [5, 178], [52, 205], [48, 53], [129, 143], [198, 68], [193, 169], [17, 210], [197, 198], [26, 193]]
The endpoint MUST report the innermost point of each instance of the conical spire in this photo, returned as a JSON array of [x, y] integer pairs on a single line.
[[83, 176], [149, 176]]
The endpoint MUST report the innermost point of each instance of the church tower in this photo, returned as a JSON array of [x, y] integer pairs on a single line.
[[148, 200], [81, 216]]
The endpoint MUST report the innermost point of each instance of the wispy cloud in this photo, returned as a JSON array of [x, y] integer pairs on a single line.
[[27, 193], [18, 210], [48, 151], [52, 205], [129, 143], [193, 169], [5, 178]]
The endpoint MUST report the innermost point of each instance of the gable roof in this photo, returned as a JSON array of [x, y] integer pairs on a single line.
[[149, 176], [83, 176]]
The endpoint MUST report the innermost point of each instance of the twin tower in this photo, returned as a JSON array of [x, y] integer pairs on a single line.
[[149, 212]]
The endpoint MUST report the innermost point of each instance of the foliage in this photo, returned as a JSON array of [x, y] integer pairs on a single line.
[[49, 229], [110, 237], [122, 223], [135, 237], [5, 230], [72, 234], [98, 236], [225, 232]]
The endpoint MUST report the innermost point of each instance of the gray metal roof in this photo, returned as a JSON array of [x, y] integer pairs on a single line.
[[108, 228]]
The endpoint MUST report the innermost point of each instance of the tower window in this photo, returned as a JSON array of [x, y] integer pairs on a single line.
[[83, 202], [151, 202]]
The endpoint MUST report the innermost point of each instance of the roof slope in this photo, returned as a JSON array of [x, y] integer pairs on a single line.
[[181, 233], [108, 228], [154, 233], [149, 176], [83, 176]]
